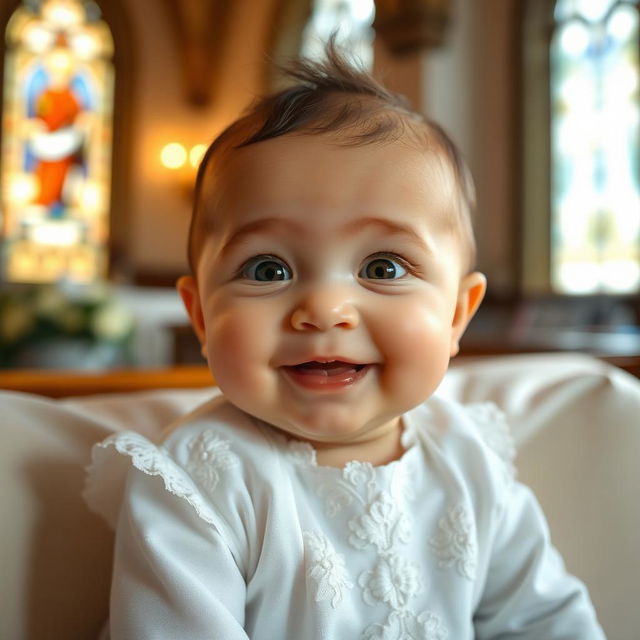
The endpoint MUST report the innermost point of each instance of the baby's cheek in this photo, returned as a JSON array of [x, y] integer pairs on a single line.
[[417, 331], [417, 351], [233, 347]]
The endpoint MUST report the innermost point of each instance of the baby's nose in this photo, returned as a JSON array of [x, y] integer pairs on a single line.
[[325, 309]]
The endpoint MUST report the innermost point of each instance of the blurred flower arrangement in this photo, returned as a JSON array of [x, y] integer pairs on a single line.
[[34, 317]]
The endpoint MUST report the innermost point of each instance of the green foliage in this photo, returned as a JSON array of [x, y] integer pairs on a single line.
[[35, 314]]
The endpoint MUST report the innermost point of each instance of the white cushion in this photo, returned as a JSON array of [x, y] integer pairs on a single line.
[[574, 418], [576, 422], [55, 557]]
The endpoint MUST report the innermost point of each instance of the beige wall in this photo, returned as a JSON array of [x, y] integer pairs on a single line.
[[468, 87]]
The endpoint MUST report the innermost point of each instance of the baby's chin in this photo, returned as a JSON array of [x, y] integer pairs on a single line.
[[337, 435], [324, 424]]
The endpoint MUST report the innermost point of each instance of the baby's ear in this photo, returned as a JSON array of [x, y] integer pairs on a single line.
[[188, 290], [470, 294]]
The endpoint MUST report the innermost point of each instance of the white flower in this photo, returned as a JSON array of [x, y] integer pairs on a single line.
[[382, 526], [394, 581], [431, 626], [112, 322], [404, 625], [357, 473], [455, 544], [326, 570], [208, 455]]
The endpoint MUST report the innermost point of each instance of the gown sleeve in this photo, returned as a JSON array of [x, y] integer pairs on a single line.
[[528, 594], [174, 575]]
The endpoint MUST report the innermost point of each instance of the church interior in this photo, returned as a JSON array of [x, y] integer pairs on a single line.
[[107, 107]]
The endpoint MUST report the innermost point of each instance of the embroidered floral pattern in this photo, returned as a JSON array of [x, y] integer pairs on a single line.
[[404, 625], [209, 454], [394, 581], [382, 526], [494, 429], [155, 461], [455, 543], [359, 473], [325, 569]]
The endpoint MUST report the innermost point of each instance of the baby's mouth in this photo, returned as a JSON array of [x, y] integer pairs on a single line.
[[327, 376], [335, 368]]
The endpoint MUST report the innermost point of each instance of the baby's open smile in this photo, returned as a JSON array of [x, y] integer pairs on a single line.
[[332, 375]]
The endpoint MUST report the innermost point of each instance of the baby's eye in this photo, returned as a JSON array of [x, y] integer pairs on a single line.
[[266, 269], [382, 268]]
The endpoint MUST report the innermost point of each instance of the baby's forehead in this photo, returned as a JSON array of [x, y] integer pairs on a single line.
[[292, 171], [257, 164]]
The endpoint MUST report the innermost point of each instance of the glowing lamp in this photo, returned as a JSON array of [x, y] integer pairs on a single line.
[[183, 161], [173, 155], [196, 153]]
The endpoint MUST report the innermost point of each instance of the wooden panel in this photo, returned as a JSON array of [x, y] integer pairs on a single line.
[[79, 383]]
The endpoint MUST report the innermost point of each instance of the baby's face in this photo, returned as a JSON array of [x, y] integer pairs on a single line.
[[330, 294]]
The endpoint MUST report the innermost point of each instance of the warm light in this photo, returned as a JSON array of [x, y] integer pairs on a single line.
[[196, 153], [60, 61], [173, 155], [65, 13], [57, 234], [85, 45], [91, 199], [82, 266], [23, 263], [23, 189], [37, 38]]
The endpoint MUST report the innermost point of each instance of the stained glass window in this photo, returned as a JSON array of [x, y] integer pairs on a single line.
[[595, 199], [56, 142], [351, 19]]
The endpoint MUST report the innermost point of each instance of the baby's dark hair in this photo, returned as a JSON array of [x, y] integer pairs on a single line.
[[334, 97]]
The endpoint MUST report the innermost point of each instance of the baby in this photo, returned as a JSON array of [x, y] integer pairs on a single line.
[[326, 492]]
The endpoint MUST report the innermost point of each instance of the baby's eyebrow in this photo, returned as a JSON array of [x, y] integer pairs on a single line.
[[391, 227], [276, 226], [256, 227]]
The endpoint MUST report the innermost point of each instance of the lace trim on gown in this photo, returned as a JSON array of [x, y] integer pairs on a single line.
[[111, 460], [304, 453]]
